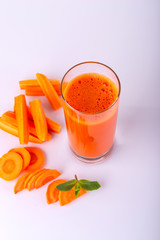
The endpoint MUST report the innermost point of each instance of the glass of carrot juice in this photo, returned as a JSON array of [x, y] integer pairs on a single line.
[[90, 93]]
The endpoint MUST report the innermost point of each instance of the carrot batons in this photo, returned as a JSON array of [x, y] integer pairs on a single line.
[[22, 119], [49, 91], [69, 196], [37, 158], [52, 125], [19, 186], [24, 154], [11, 165], [12, 129], [52, 194], [36, 91], [39, 119], [33, 83], [46, 177]]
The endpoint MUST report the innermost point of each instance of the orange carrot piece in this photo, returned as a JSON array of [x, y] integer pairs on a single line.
[[24, 154], [10, 128], [52, 193], [37, 91], [19, 186], [31, 175], [22, 119], [52, 125], [49, 91], [34, 83], [39, 119], [31, 182], [11, 165], [46, 177], [67, 197], [37, 158], [10, 117]]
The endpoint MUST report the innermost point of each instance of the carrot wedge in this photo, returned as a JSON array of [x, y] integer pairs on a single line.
[[49, 91], [46, 177], [39, 119], [11, 165], [24, 154], [19, 186], [52, 125], [52, 194], [10, 128], [69, 196], [37, 91], [31, 175], [34, 83], [37, 158], [10, 117], [31, 182], [22, 119]]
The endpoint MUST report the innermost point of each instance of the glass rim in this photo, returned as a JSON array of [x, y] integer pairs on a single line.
[[85, 113]]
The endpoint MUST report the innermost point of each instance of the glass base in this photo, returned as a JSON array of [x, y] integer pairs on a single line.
[[92, 160]]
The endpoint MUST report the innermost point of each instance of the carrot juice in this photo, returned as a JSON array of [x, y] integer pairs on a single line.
[[90, 107]]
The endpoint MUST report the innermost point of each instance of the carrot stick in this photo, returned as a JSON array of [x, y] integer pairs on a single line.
[[36, 91], [39, 118], [10, 117], [49, 91], [11, 165], [22, 119], [52, 125], [34, 83], [10, 128]]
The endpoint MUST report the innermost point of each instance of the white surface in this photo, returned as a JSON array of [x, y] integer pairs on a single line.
[[50, 37]]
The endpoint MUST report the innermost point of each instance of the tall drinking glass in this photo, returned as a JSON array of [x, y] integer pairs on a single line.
[[91, 135]]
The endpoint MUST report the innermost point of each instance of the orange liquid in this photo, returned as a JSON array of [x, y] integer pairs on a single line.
[[91, 135]]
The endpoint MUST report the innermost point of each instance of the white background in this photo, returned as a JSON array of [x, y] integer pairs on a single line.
[[50, 37]]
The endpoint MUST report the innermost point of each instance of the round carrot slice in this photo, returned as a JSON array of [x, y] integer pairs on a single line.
[[19, 186], [46, 177], [31, 175], [11, 165], [37, 158], [31, 183], [52, 193], [24, 154], [66, 197]]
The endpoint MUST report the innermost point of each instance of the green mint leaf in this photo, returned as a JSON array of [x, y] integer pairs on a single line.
[[67, 185], [89, 185], [77, 189]]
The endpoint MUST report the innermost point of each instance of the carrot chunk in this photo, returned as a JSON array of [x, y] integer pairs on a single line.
[[49, 91], [52, 193], [46, 177], [39, 119], [34, 173], [37, 158], [11, 165], [52, 125], [12, 129], [19, 186], [31, 182], [22, 119], [69, 196], [24, 154]]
